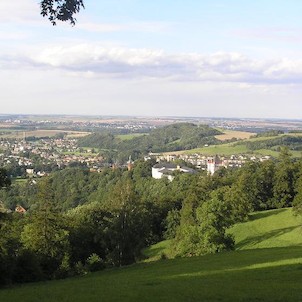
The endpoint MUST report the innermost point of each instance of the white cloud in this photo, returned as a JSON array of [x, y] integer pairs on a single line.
[[19, 10], [95, 60]]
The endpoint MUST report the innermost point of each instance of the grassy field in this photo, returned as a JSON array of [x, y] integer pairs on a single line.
[[268, 229], [250, 273], [224, 149]]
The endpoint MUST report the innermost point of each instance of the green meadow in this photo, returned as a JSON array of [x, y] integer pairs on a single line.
[[266, 266]]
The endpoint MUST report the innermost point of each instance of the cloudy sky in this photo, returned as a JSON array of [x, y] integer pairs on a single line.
[[215, 58]]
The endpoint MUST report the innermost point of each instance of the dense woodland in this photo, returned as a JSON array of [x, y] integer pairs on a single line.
[[78, 221], [180, 136]]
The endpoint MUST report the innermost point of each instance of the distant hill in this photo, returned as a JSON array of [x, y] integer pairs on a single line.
[[180, 136]]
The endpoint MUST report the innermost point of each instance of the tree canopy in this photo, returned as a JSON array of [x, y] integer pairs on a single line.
[[62, 10]]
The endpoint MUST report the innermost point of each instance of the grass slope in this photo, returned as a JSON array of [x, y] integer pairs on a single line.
[[268, 229], [227, 149], [250, 273]]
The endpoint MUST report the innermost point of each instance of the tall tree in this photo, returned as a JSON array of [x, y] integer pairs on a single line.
[[131, 223], [46, 234]]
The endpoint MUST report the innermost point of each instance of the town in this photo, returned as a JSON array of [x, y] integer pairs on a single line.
[[37, 158]]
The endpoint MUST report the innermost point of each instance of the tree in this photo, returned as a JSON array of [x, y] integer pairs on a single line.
[[46, 234], [62, 10], [131, 223], [203, 230], [4, 179], [284, 180]]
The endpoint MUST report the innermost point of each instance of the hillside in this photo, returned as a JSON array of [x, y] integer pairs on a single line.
[[253, 274], [268, 229], [181, 136], [254, 145]]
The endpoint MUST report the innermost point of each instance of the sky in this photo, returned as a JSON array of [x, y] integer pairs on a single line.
[[206, 58]]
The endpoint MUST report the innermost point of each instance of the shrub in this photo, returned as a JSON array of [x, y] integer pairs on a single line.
[[94, 263]]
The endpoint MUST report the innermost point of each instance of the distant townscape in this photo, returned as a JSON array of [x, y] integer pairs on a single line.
[[33, 146]]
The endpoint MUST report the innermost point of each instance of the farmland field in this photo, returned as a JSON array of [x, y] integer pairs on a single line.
[[229, 134], [19, 134]]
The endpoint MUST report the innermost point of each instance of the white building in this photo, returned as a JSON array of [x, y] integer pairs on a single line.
[[166, 170], [213, 165]]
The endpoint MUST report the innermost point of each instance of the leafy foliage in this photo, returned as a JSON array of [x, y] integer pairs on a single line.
[[61, 10], [275, 143]]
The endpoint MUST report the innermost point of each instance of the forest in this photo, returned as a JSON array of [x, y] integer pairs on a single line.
[[179, 136], [78, 221]]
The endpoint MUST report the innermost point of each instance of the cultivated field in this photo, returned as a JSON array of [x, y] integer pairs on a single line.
[[19, 134], [229, 134]]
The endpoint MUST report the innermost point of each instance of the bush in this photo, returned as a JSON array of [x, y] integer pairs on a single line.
[[94, 263], [79, 269]]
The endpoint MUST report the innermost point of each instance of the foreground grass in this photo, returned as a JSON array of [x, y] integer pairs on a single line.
[[250, 275]]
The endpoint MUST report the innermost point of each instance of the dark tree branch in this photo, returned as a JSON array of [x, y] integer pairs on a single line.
[[62, 10]]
